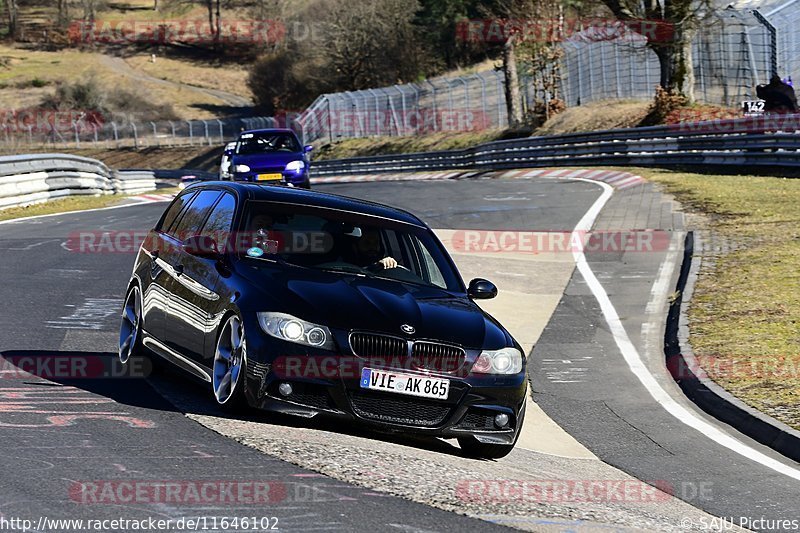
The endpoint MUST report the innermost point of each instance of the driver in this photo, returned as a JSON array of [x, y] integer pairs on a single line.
[[368, 251]]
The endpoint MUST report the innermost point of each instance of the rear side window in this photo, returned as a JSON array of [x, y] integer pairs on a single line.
[[174, 210], [218, 225], [192, 218]]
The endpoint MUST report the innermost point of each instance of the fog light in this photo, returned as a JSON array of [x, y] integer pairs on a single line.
[[285, 389], [500, 420]]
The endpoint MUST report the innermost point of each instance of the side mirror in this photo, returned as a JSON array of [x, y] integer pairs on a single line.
[[481, 289], [201, 246], [307, 148]]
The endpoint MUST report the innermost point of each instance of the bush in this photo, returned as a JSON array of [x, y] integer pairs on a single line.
[[664, 103], [88, 96]]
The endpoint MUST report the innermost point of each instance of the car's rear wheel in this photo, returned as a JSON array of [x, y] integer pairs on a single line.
[[472, 447], [228, 381], [130, 330]]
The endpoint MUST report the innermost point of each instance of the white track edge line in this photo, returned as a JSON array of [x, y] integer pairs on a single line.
[[637, 366]]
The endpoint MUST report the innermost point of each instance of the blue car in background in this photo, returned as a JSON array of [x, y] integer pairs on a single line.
[[269, 156]]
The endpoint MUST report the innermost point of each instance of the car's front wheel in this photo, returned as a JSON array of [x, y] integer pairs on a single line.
[[228, 381], [130, 330]]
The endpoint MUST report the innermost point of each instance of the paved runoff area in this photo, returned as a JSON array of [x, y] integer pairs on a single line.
[[585, 262]]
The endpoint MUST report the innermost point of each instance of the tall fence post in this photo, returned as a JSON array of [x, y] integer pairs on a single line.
[[135, 135]]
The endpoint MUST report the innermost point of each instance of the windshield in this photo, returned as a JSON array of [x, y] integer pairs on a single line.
[[348, 243], [260, 143]]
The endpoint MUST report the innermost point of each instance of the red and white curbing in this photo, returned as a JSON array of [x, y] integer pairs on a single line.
[[152, 198], [615, 178], [405, 176]]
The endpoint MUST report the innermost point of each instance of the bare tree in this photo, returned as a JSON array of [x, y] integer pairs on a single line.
[[369, 43], [11, 13], [669, 27]]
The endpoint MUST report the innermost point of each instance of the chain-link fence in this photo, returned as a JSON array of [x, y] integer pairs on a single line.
[[63, 129], [464, 103], [736, 48], [732, 53]]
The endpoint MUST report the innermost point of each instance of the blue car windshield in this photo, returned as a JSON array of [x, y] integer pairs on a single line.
[[264, 143]]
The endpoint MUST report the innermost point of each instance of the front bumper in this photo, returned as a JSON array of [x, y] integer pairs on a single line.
[[327, 384], [287, 178]]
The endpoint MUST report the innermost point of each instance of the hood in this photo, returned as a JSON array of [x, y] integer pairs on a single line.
[[271, 160], [349, 302]]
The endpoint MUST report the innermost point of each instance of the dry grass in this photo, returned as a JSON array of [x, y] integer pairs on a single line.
[[24, 66], [228, 78], [398, 145], [63, 205], [745, 313], [605, 115]]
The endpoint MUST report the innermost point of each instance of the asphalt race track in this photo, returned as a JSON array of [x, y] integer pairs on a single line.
[[62, 434]]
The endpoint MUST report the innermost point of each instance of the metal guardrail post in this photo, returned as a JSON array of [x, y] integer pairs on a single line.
[[205, 130], [135, 135], [501, 99], [191, 133], [221, 134], [433, 93], [403, 112], [417, 92], [484, 117], [773, 41], [378, 128]]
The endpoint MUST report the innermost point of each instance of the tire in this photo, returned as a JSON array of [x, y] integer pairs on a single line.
[[130, 329], [471, 447], [229, 368]]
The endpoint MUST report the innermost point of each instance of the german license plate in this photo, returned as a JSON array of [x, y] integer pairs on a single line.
[[269, 177], [405, 384]]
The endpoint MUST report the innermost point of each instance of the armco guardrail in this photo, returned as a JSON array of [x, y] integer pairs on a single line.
[[133, 181], [754, 141], [27, 179]]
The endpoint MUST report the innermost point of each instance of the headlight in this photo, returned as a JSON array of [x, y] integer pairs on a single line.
[[241, 168], [502, 361], [288, 328], [295, 166]]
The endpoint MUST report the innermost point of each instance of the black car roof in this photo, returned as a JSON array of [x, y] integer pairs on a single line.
[[276, 193]]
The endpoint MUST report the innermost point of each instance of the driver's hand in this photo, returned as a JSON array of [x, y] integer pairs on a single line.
[[388, 262]]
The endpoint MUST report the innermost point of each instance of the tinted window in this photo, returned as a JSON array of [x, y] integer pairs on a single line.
[[193, 216], [349, 243], [260, 143], [174, 210], [218, 225]]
